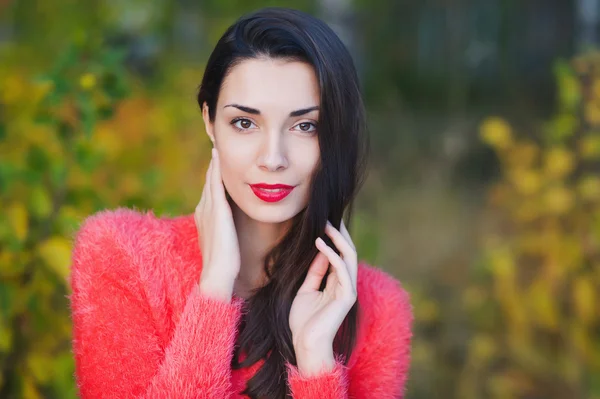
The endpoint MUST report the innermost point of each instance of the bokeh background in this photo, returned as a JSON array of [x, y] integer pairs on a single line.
[[483, 196]]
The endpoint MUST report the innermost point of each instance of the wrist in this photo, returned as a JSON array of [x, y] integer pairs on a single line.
[[219, 291], [315, 362]]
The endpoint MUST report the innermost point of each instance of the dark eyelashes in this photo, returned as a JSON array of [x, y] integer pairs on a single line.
[[237, 119]]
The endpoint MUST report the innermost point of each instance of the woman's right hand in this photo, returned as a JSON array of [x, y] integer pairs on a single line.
[[217, 236]]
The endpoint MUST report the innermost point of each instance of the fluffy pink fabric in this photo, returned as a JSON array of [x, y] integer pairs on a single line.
[[142, 328]]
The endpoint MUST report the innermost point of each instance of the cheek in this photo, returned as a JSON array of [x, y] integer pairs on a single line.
[[231, 169], [308, 158], [235, 162]]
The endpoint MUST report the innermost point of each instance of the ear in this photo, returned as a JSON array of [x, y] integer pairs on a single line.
[[208, 126]]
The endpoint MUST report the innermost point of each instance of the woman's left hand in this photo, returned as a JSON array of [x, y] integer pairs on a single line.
[[316, 316]]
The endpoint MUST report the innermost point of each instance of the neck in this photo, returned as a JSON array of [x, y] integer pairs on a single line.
[[255, 240]]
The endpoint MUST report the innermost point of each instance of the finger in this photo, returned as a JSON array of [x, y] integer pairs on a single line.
[[332, 281], [353, 267], [315, 274], [199, 216], [339, 266], [198, 211], [207, 186], [347, 250], [346, 234], [216, 179], [200, 206]]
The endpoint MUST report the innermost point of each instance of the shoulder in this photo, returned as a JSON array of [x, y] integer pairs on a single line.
[[380, 293], [104, 230], [380, 360], [385, 313], [121, 240]]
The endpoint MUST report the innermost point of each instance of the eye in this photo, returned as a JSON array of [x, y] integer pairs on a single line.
[[242, 123], [306, 127]]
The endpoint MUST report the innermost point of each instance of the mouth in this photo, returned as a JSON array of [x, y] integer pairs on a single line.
[[271, 192]]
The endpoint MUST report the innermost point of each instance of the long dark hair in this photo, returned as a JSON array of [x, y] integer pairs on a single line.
[[294, 35]]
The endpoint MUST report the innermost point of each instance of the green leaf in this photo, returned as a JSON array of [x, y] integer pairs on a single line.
[[8, 174], [88, 113], [114, 86], [58, 173], [65, 130], [7, 292], [114, 57], [569, 90], [106, 112], [65, 60], [37, 159]]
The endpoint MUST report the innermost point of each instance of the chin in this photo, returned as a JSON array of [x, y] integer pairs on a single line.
[[269, 213], [276, 212]]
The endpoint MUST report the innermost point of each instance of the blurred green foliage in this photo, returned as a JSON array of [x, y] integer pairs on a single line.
[[81, 132], [534, 306], [49, 167], [81, 137]]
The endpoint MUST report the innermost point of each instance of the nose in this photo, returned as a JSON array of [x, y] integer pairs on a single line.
[[272, 156]]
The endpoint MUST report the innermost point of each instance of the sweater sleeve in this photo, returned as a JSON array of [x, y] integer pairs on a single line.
[[379, 366], [332, 384], [119, 351]]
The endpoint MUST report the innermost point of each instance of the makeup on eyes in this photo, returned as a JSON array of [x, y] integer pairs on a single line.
[[234, 122]]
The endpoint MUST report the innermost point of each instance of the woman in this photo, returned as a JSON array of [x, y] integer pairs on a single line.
[[238, 300]]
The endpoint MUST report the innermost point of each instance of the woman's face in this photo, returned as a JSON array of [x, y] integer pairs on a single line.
[[265, 130]]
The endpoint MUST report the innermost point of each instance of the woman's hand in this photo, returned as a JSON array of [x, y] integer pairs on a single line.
[[316, 316], [217, 236]]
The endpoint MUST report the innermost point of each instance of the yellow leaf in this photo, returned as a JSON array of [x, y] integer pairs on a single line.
[[589, 188], [592, 113], [503, 263], [18, 220], [559, 200], [30, 390], [87, 81], [40, 202], [41, 89], [589, 146], [482, 347], [496, 132], [14, 89], [6, 337], [526, 181], [56, 252], [542, 307], [6, 259], [584, 298], [579, 338], [108, 142], [596, 88], [569, 89], [526, 211], [40, 367], [523, 155], [559, 162]]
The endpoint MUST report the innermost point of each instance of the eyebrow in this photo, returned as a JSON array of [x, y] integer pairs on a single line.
[[254, 111]]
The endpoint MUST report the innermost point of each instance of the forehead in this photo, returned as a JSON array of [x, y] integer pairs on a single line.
[[271, 83]]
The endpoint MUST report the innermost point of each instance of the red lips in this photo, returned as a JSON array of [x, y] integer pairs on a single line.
[[277, 193]]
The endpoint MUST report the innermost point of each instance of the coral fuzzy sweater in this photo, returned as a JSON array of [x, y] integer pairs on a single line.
[[142, 328]]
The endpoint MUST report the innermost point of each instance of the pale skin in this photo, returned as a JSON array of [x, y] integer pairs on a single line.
[[271, 146]]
